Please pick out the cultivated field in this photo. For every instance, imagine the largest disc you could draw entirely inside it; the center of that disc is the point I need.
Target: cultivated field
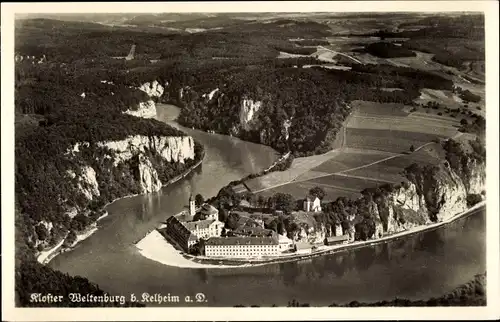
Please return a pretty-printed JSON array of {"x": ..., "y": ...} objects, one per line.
[
  {"x": 364, "y": 108},
  {"x": 299, "y": 190},
  {"x": 299, "y": 167},
  {"x": 375, "y": 150},
  {"x": 379, "y": 137},
  {"x": 345, "y": 182},
  {"x": 350, "y": 158},
  {"x": 390, "y": 170},
  {"x": 423, "y": 61},
  {"x": 409, "y": 126},
  {"x": 375, "y": 144},
  {"x": 386, "y": 140}
]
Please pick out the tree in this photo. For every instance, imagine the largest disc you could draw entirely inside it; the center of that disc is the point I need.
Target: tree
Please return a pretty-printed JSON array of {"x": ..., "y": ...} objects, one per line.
[
  {"x": 41, "y": 232},
  {"x": 198, "y": 200},
  {"x": 464, "y": 122},
  {"x": 273, "y": 225},
  {"x": 198, "y": 248},
  {"x": 223, "y": 214},
  {"x": 280, "y": 225},
  {"x": 270, "y": 202},
  {"x": 412, "y": 148},
  {"x": 317, "y": 192},
  {"x": 71, "y": 238},
  {"x": 473, "y": 199},
  {"x": 260, "y": 201},
  {"x": 232, "y": 221},
  {"x": 284, "y": 201}
]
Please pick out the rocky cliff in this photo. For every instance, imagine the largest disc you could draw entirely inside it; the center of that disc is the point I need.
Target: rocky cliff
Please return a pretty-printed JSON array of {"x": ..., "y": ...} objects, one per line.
[
  {"x": 172, "y": 149},
  {"x": 133, "y": 152},
  {"x": 154, "y": 88},
  {"x": 99, "y": 172},
  {"x": 247, "y": 112},
  {"x": 145, "y": 110},
  {"x": 95, "y": 173},
  {"x": 431, "y": 194},
  {"x": 243, "y": 118}
]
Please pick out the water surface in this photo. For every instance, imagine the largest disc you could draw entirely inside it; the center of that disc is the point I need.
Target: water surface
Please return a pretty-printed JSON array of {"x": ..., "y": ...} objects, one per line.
[{"x": 415, "y": 267}]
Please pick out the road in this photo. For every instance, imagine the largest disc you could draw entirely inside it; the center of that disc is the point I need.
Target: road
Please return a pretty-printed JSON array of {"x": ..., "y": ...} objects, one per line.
[
  {"x": 344, "y": 172},
  {"x": 339, "y": 53}
]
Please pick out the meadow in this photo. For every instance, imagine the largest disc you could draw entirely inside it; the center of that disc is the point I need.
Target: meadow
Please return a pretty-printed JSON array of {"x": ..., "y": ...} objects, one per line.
[
  {"x": 387, "y": 140},
  {"x": 349, "y": 159},
  {"x": 381, "y": 140},
  {"x": 299, "y": 190}
]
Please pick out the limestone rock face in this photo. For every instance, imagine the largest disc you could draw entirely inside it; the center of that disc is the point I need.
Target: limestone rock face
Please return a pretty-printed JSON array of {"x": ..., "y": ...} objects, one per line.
[
  {"x": 451, "y": 196},
  {"x": 171, "y": 148},
  {"x": 153, "y": 89},
  {"x": 314, "y": 235},
  {"x": 211, "y": 94},
  {"x": 286, "y": 126},
  {"x": 248, "y": 109},
  {"x": 408, "y": 198},
  {"x": 439, "y": 198},
  {"x": 148, "y": 177},
  {"x": 338, "y": 230},
  {"x": 351, "y": 232},
  {"x": 434, "y": 197},
  {"x": 477, "y": 182},
  {"x": 88, "y": 183},
  {"x": 145, "y": 110}
]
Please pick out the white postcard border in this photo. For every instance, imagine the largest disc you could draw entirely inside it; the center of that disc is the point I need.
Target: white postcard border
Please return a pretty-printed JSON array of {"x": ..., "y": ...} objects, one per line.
[{"x": 9, "y": 312}]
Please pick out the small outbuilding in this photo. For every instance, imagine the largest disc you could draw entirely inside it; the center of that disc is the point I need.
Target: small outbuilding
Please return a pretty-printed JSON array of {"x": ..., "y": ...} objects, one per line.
[{"x": 336, "y": 240}]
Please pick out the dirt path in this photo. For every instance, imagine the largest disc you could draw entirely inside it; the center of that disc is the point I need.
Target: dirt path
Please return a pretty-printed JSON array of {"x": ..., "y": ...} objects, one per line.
[
  {"x": 347, "y": 170},
  {"x": 343, "y": 172},
  {"x": 373, "y": 163},
  {"x": 365, "y": 165},
  {"x": 339, "y": 53},
  {"x": 333, "y": 186},
  {"x": 363, "y": 178}
]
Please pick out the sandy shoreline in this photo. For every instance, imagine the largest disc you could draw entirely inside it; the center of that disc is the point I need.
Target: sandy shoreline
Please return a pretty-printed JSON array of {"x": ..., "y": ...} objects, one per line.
[
  {"x": 46, "y": 256},
  {"x": 155, "y": 247}
]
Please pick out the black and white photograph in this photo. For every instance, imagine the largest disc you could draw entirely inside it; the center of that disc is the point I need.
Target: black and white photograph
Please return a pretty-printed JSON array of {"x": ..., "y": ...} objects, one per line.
[{"x": 250, "y": 158}]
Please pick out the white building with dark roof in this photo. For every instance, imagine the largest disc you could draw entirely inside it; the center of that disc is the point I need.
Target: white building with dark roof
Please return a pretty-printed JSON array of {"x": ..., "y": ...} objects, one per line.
[
  {"x": 209, "y": 212},
  {"x": 186, "y": 232},
  {"x": 285, "y": 243},
  {"x": 336, "y": 240},
  {"x": 312, "y": 204},
  {"x": 242, "y": 247},
  {"x": 178, "y": 232},
  {"x": 205, "y": 228}
]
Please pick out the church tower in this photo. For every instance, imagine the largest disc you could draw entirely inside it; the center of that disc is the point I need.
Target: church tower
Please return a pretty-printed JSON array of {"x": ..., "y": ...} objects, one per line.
[
  {"x": 307, "y": 203},
  {"x": 192, "y": 206}
]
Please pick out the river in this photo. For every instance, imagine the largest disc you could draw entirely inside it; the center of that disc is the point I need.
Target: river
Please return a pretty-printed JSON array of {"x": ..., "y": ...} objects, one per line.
[{"x": 415, "y": 267}]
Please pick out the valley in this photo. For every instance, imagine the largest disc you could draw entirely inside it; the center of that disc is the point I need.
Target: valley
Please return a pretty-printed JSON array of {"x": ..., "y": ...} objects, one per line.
[{"x": 254, "y": 113}]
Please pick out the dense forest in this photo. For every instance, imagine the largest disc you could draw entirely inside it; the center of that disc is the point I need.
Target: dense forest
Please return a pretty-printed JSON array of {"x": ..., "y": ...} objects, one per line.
[
  {"x": 452, "y": 40},
  {"x": 32, "y": 277},
  {"x": 342, "y": 210},
  {"x": 388, "y": 50},
  {"x": 81, "y": 88},
  {"x": 69, "y": 110},
  {"x": 78, "y": 93},
  {"x": 302, "y": 97},
  {"x": 70, "y": 41}
]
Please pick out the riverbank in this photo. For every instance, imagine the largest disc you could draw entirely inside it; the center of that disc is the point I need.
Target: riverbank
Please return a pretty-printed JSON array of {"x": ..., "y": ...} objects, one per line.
[
  {"x": 46, "y": 256},
  {"x": 155, "y": 247}
]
